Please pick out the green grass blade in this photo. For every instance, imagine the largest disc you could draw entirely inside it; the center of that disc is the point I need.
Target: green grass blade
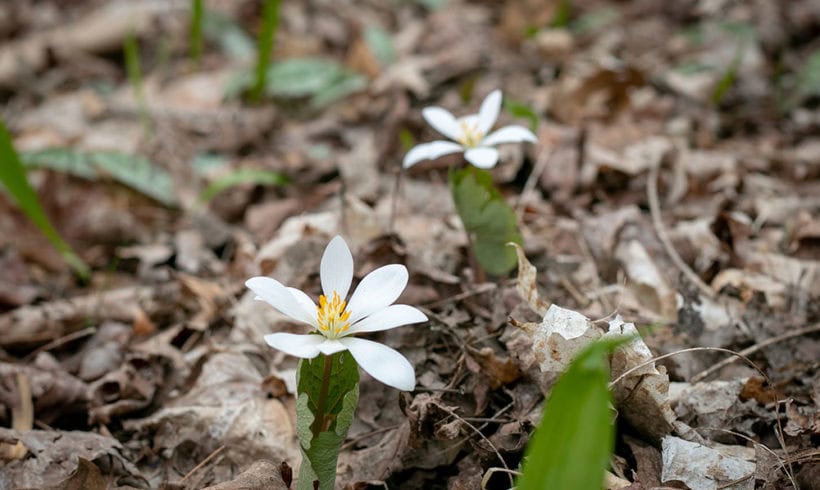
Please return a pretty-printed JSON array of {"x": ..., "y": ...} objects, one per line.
[
  {"x": 134, "y": 70},
  {"x": 195, "y": 35},
  {"x": 13, "y": 177},
  {"x": 572, "y": 446},
  {"x": 245, "y": 176},
  {"x": 270, "y": 22}
]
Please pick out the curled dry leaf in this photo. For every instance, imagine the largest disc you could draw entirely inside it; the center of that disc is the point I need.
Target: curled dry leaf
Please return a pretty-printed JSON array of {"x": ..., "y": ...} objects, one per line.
[
  {"x": 261, "y": 475},
  {"x": 560, "y": 336},
  {"x": 646, "y": 283},
  {"x": 526, "y": 284},
  {"x": 705, "y": 468},
  {"x": 642, "y": 397}
]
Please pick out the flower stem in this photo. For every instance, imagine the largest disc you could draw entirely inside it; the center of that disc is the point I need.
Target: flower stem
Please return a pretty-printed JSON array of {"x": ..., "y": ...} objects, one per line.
[{"x": 319, "y": 422}]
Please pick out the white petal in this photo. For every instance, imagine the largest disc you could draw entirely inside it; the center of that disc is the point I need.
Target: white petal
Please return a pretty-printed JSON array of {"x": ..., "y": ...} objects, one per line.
[
  {"x": 306, "y": 304},
  {"x": 330, "y": 347},
  {"x": 382, "y": 362},
  {"x": 390, "y": 317},
  {"x": 509, "y": 134},
  {"x": 482, "y": 157},
  {"x": 336, "y": 269},
  {"x": 442, "y": 121},
  {"x": 275, "y": 294},
  {"x": 304, "y": 346},
  {"x": 488, "y": 113},
  {"x": 377, "y": 291},
  {"x": 430, "y": 151}
]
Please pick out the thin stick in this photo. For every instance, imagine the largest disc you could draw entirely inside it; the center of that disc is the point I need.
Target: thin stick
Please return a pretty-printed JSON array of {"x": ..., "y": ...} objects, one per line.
[
  {"x": 657, "y": 223},
  {"x": 203, "y": 463},
  {"x": 492, "y": 446},
  {"x": 754, "y": 348},
  {"x": 60, "y": 341},
  {"x": 532, "y": 179},
  {"x": 493, "y": 470}
]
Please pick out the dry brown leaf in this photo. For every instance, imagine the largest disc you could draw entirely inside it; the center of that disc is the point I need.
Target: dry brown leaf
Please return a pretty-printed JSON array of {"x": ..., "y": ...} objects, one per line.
[{"x": 526, "y": 284}]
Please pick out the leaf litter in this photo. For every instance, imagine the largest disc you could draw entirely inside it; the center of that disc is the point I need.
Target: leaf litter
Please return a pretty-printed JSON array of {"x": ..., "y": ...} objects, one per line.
[{"x": 672, "y": 195}]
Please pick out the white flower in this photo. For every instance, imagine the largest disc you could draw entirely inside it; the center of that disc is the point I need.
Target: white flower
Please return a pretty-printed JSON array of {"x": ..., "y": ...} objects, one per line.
[
  {"x": 469, "y": 133},
  {"x": 370, "y": 309}
]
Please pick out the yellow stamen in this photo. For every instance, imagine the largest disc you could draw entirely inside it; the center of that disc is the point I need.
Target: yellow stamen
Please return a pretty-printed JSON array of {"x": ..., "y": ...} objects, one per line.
[
  {"x": 332, "y": 315},
  {"x": 470, "y": 135}
]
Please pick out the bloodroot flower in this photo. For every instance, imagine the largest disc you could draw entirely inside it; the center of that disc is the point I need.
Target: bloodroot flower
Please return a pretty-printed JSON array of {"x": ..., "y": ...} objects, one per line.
[
  {"x": 336, "y": 321},
  {"x": 469, "y": 134}
]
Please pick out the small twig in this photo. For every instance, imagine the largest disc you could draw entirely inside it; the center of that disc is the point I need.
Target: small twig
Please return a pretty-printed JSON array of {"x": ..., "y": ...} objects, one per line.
[
  {"x": 491, "y": 471},
  {"x": 349, "y": 444},
  {"x": 754, "y": 348},
  {"x": 61, "y": 341},
  {"x": 479, "y": 289},
  {"x": 684, "y": 351},
  {"x": 204, "y": 462},
  {"x": 660, "y": 229},
  {"x": 480, "y": 434}
]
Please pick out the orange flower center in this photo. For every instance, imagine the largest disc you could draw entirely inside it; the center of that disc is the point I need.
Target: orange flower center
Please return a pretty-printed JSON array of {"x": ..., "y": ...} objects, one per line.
[{"x": 333, "y": 316}]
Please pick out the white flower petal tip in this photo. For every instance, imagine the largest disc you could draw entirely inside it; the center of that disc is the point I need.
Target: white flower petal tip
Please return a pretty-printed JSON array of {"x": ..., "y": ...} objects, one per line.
[
  {"x": 382, "y": 362},
  {"x": 510, "y": 134},
  {"x": 482, "y": 157},
  {"x": 391, "y": 317},
  {"x": 304, "y": 346},
  {"x": 336, "y": 268},
  {"x": 442, "y": 121},
  {"x": 488, "y": 113},
  {"x": 430, "y": 151},
  {"x": 378, "y": 290},
  {"x": 275, "y": 294}
]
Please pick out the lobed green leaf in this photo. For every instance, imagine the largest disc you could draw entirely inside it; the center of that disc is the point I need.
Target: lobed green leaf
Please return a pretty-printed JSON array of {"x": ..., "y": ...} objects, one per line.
[
  {"x": 487, "y": 217},
  {"x": 320, "y": 451}
]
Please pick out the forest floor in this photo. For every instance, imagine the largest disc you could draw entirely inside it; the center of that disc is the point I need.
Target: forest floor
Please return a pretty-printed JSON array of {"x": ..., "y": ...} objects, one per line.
[{"x": 675, "y": 185}]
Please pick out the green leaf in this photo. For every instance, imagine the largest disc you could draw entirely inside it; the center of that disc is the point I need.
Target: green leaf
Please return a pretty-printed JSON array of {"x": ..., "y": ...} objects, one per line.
[
  {"x": 320, "y": 451},
  {"x": 487, "y": 217},
  {"x": 13, "y": 177},
  {"x": 381, "y": 44},
  {"x": 242, "y": 176},
  {"x": 232, "y": 39},
  {"x": 195, "y": 32},
  {"x": 136, "y": 172},
  {"x": 321, "y": 80},
  {"x": 519, "y": 109},
  {"x": 572, "y": 446},
  {"x": 267, "y": 36}
]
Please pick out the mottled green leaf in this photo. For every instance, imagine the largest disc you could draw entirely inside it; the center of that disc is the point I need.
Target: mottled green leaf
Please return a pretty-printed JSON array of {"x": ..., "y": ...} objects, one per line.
[
  {"x": 134, "y": 171},
  {"x": 487, "y": 217},
  {"x": 381, "y": 44},
  {"x": 572, "y": 445},
  {"x": 242, "y": 176},
  {"x": 13, "y": 177},
  {"x": 232, "y": 39},
  {"x": 320, "y": 452}
]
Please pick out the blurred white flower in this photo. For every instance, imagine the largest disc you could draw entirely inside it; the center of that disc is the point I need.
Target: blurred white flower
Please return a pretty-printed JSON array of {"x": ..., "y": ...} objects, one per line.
[
  {"x": 469, "y": 135},
  {"x": 334, "y": 320}
]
